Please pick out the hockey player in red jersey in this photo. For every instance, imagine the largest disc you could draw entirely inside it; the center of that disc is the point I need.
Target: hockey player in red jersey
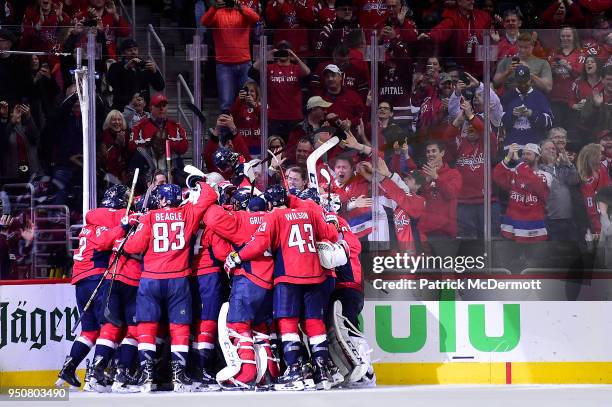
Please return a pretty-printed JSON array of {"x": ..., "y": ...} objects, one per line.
[
  {"x": 298, "y": 276},
  {"x": 90, "y": 263},
  {"x": 250, "y": 301},
  {"x": 162, "y": 237},
  {"x": 210, "y": 289}
]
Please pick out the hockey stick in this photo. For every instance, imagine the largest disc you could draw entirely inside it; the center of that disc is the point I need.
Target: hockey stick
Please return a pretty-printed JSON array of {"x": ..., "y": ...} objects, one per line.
[
  {"x": 168, "y": 162},
  {"x": 107, "y": 314},
  {"x": 199, "y": 114},
  {"x": 311, "y": 161},
  {"x": 280, "y": 169}
]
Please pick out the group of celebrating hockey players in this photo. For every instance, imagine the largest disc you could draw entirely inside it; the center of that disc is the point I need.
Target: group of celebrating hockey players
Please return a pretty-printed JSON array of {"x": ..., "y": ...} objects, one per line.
[{"x": 242, "y": 286}]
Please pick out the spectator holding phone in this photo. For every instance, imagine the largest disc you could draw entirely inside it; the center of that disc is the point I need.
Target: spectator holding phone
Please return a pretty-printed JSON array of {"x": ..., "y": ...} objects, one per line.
[
  {"x": 42, "y": 25},
  {"x": 541, "y": 75},
  {"x": 284, "y": 77},
  {"x": 246, "y": 112},
  {"x": 231, "y": 24},
  {"x": 104, "y": 15},
  {"x": 131, "y": 75},
  {"x": 527, "y": 113}
]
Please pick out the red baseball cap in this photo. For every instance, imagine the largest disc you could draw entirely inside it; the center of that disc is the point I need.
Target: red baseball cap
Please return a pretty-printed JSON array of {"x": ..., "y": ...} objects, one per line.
[
  {"x": 604, "y": 133},
  {"x": 158, "y": 98}
]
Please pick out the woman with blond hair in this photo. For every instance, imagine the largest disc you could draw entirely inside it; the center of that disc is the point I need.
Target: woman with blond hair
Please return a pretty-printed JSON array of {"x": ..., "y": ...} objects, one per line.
[
  {"x": 593, "y": 174},
  {"x": 112, "y": 153}
]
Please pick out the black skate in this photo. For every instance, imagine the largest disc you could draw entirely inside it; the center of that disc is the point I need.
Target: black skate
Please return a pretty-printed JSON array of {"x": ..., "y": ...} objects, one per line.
[
  {"x": 182, "y": 383},
  {"x": 291, "y": 380},
  {"x": 336, "y": 377},
  {"x": 308, "y": 377},
  {"x": 95, "y": 379},
  {"x": 68, "y": 374},
  {"x": 144, "y": 381},
  {"x": 124, "y": 382},
  {"x": 322, "y": 377},
  {"x": 206, "y": 382}
]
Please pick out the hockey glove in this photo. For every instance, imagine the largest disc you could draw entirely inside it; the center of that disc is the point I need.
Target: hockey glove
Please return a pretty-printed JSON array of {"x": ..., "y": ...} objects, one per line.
[{"x": 232, "y": 260}]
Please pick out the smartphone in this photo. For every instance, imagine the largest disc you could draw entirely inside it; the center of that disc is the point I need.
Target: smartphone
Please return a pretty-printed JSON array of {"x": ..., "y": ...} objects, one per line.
[
  {"x": 516, "y": 60},
  {"x": 281, "y": 53}
]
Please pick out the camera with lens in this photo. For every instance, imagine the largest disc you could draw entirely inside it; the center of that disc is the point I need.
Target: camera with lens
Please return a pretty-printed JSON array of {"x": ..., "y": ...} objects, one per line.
[
  {"x": 141, "y": 64},
  {"x": 230, "y": 3},
  {"x": 282, "y": 50},
  {"x": 90, "y": 22}
]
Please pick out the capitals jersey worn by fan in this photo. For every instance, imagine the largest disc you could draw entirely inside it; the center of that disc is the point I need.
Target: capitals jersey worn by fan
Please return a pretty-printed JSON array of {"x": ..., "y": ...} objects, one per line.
[
  {"x": 589, "y": 188},
  {"x": 528, "y": 191},
  {"x": 360, "y": 219},
  {"x": 408, "y": 209}
]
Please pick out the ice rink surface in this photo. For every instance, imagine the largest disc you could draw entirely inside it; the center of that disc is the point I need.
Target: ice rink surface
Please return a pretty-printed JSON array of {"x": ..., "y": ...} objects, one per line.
[{"x": 382, "y": 396}]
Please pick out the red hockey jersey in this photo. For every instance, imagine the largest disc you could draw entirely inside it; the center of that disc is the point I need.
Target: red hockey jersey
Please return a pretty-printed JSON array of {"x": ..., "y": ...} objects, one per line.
[
  {"x": 238, "y": 228},
  {"x": 164, "y": 234},
  {"x": 145, "y": 131},
  {"x": 350, "y": 275},
  {"x": 528, "y": 191},
  {"x": 409, "y": 208},
  {"x": 291, "y": 235},
  {"x": 589, "y": 188},
  {"x": 209, "y": 252},
  {"x": 440, "y": 216}
]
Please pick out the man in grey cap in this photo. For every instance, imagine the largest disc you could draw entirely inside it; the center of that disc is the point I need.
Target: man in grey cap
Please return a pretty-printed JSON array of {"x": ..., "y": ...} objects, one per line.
[
  {"x": 315, "y": 116},
  {"x": 133, "y": 75}
]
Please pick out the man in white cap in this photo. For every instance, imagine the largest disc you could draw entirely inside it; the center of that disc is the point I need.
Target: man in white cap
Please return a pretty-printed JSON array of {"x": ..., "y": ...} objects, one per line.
[
  {"x": 316, "y": 109},
  {"x": 346, "y": 103},
  {"x": 528, "y": 188}
]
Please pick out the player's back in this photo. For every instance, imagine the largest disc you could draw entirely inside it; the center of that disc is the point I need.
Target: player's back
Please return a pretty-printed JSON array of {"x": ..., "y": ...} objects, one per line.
[
  {"x": 88, "y": 258},
  {"x": 293, "y": 237},
  {"x": 167, "y": 255}
]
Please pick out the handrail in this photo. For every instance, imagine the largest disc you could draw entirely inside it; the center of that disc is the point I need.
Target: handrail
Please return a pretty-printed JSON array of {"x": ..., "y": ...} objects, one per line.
[
  {"x": 180, "y": 85},
  {"x": 130, "y": 16},
  {"x": 151, "y": 32}
]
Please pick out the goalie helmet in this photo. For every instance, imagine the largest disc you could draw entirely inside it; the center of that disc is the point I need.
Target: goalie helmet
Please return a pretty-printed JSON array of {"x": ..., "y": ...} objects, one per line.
[
  {"x": 116, "y": 197},
  {"x": 240, "y": 199},
  {"x": 331, "y": 202},
  {"x": 225, "y": 159},
  {"x": 276, "y": 195},
  {"x": 172, "y": 193},
  {"x": 310, "y": 193}
]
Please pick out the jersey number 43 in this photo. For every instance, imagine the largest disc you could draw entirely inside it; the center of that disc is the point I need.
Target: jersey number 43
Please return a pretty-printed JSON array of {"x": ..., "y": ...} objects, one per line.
[
  {"x": 162, "y": 241},
  {"x": 295, "y": 238}
]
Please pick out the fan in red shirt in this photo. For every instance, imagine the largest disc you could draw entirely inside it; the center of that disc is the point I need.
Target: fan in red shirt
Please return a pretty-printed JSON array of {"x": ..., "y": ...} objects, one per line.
[
  {"x": 372, "y": 13},
  {"x": 298, "y": 293},
  {"x": 41, "y": 26},
  {"x": 354, "y": 76},
  {"x": 587, "y": 84},
  {"x": 246, "y": 113},
  {"x": 346, "y": 103},
  {"x": 507, "y": 43},
  {"x": 441, "y": 190},
  {"x": 566, "y": 65},
  {"x": 397, "y": 30},
  {"x": 284, "y": 78},
  {"x": 594, "y": 175},
  {"x": 290, "y": 20},
  {"x": 461, "y": 30},
  {"x": 108, "y": 20}
]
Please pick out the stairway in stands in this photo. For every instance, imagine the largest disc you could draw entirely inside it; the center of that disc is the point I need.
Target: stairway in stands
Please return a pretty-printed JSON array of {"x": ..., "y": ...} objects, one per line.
[{"x": 175, "y": 40}]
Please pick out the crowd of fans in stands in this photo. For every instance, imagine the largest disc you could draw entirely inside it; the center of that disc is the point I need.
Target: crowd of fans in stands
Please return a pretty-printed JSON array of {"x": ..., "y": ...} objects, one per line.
[{"x": 549, "y": 113}]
